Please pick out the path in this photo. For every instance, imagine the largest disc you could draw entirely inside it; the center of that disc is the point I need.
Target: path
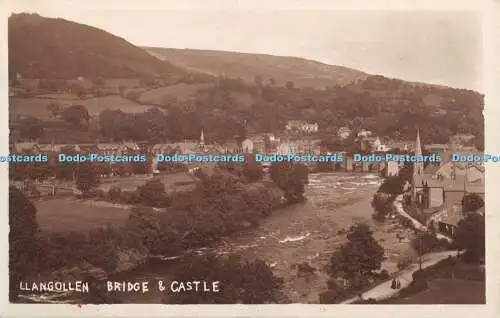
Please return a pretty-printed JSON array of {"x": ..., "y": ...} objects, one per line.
[
  {"x": 384, "y": 290},
  {"x": 398, "y": 205}
]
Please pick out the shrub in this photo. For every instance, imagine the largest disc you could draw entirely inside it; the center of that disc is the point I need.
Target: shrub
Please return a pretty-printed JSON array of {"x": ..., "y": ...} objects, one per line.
[
  {"x": 425, "y": 243},
  {"x": 404, "y": 263},
  {"x": 115, "y": 194}
]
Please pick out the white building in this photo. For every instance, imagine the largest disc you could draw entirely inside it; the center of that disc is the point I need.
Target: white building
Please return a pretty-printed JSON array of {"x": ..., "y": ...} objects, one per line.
[
  {"x": 285, "y": 148},
  {"x": 364, "y": 133},
  {"x": 344, "y": 132},
  {"x": 301, "y": 126},
  {"x": 247, "y": 146}
]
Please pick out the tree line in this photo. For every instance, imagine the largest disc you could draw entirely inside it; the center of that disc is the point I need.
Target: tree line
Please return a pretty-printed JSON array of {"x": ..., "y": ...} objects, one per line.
[{"x": 227, "y": 109}]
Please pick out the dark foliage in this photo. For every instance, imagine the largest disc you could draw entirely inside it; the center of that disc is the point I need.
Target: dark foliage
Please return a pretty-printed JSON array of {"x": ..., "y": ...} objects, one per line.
[
  {"x": 23, "y": 247},
  {"x": 245, "y": 282},
  {"x": 358, "y": 257},
  {"x": 87, "y": 177},
  {"x": 291, "y": 178},
  {"x": 153, "y": 194},
  {"x": 470, "y": 236},
  {"x": 392, "y": 185},
  {"x": 31, "y": 128},
  {"x": 76, "y": 115},
  {"x": 472, "y": 202},
  {"x": 426, "y": 242}
]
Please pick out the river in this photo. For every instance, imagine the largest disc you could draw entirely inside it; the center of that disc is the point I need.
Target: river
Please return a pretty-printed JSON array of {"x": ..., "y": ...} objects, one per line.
[{"x": 304, "y": 232}]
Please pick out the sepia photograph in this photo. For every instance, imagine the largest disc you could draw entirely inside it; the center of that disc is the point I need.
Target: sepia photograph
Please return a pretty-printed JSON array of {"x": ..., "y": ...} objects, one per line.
[{"x": 231, "y": 156}]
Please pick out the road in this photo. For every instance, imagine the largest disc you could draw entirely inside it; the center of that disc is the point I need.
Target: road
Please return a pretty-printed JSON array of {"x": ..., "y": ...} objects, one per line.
[{"x": 384, "y": 290}]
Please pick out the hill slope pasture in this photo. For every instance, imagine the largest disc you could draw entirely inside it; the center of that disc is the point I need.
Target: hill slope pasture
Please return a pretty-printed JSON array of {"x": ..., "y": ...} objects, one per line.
[{"x": 301, "y": 72}]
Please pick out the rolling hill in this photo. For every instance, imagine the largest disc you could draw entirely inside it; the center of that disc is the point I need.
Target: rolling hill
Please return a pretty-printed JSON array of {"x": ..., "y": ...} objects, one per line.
[
  {"x": 42, "y": 47},
  {"x": 301, "y": 72}
]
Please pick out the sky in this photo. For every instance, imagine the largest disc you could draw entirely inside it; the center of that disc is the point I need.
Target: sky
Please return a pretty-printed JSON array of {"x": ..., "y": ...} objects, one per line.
[{"x": 433, "y": 46}]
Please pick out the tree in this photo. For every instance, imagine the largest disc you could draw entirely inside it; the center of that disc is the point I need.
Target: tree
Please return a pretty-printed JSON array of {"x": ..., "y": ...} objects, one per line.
[
  {"x": 291, "y": 178},
  {"x": 99, "y": 82},
  {"x": 472, "y": 202},
  {"x": 54, "y": 108},
  {"x": 153, "y": 193},
  {"x": 23, "y": 247},
  {"x": 240, "y": 282},
  {"x": 358, "y": 257},
  {"x": 76, "y": 114},
  {"x": 470, "y": 236},
  {"x": 87, "y": 178},
  {"x": 393, "y": 185},
  {"x": 290, "y": 85},
  {"x": 31, "y": 128},
  {"x": 78, "y": 89},
  {"x": 382, "y": 204}
]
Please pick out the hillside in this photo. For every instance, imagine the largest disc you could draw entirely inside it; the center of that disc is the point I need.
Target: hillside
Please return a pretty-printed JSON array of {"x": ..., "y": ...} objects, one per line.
[
  {"x": 247, "y": 66},
  {"x": 56, "y": 48}
]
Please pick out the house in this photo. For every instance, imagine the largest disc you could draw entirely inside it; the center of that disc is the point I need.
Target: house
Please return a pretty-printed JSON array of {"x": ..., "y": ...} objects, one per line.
[
  {"x": 447, "y": 219},
  {"x": 20, "y": 147},
  {"x": 231, "y": 147},
  {"x": 401, "y": 145},
  {"x": 376, "y": 144},
  {"x": 364, "y": 133},
  {"x": 286, "y": 147},
  {"x": 445, "y": 185},
  {"x": 87, "y": 148},
  {"x": 259, "y": 144},
  {"x": 462, "y": 138},
  {"x": 301, "y": 126},
  {"x": 308, "y": 146},
  {"x": 439, "y": 149},
  {"x": 247, "y": 146},
  {"x": 344, "y": 132},
  {"x": 392, "y": 168},
  {"x": 108, "y": 149},
  {"x": 164, "y": 149}
]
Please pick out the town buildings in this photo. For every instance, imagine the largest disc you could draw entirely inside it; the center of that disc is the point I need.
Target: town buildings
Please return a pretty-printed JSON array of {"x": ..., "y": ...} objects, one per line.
[{"x": 438, "y": 190}]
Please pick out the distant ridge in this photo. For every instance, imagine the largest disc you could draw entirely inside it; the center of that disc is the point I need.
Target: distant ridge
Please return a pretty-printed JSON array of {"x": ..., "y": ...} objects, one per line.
[{"x": 302, "y": 72}]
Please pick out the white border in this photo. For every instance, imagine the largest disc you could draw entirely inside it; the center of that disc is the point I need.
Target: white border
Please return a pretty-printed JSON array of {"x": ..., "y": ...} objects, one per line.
[{"x": 492, "y": 114}]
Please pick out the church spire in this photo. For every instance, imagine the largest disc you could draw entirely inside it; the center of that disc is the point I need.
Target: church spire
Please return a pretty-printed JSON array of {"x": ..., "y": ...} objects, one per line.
[
  {"x": 202, "y": 138},
  {"x": 418, "y": 168}
]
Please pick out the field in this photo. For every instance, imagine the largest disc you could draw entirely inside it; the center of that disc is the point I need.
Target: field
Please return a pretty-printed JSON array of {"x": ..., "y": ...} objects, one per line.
[
  {"x": 449, "y": 291},
  {"x": 36, "y": 107},
  {"x": 172, "y": 182},
  {"x": 68, "y": 214},
  {"x": 180, "y": 91}
]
